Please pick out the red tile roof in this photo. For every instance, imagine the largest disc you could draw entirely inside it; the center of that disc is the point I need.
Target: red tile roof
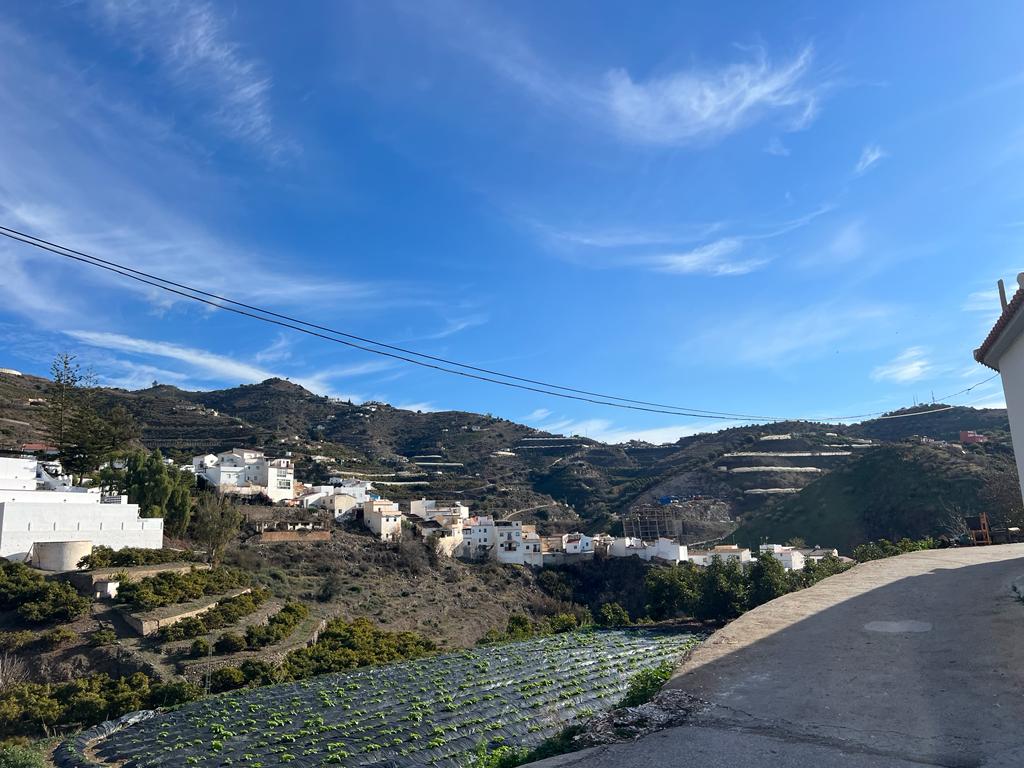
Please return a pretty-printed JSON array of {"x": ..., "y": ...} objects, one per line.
[{"x": 997, "y": 330}]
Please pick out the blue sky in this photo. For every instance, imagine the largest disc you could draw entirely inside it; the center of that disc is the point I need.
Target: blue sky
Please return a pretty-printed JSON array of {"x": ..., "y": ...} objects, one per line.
[{"x": 791, "y": 209}]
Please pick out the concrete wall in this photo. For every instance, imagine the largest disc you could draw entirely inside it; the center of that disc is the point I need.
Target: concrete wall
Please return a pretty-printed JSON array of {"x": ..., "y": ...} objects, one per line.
[
  {"x": 17, "y": 474},
  {"x": 270, "y": 537},
  {"x": 148, "y": 623},
  {"x": 59, "y": 517},
  {"x": 59, "y": 555}
]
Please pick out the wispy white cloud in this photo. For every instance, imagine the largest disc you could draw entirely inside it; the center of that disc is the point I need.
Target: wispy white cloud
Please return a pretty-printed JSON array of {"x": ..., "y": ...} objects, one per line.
[
  {"x": 683, "y": 107},
  {"x": 784, "y": 338},
  {"x": 716, "y": 258},
  {"x": 87, "y": 185},
  {"x": 204, "y": 364},
  {"x": 607, "y": 431},
  {"x": 424, "y": 407},
  {"x": 537, "y": 415},
  {"x": 204, "y": 367},
  {"x": 279, "y": 349},
  {"x": 910, "y": 365},
  {"x": 699, "y": 105},
  {"x": 982, "y": 301},
  {"x": 777, "y": 148},
  {"x": 869, "y": 156},
  {"x": 193, "y": 50},
  {"x": 453, "y": 327}
]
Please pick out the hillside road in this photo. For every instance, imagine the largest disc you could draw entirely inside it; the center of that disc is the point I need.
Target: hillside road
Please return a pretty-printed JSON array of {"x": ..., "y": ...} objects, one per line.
[{"x": 912, "y": 660}]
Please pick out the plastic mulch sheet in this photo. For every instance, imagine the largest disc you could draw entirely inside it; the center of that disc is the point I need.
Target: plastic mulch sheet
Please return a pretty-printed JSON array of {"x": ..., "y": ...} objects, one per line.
[{"x": 435, "y": 711}]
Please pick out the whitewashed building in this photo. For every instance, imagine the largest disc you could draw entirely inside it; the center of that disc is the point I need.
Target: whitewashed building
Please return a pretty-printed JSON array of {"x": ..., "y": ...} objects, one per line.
[
  {"x": 1003, "y": 351},
  {"x": 29, "y": 516},
  {"x": 792, "y": 559},
  {"x": 383, "y": 518},
  {"x": 725, "y": 552},
  {"x": 478, "y": 536},
  {"x": 248, "y": 472},
  {"x": 662, "y": 549}
]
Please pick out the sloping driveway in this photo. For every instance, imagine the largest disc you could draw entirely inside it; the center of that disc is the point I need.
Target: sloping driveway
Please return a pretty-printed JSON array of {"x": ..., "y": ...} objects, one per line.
[{"x": 917, "y": 659}]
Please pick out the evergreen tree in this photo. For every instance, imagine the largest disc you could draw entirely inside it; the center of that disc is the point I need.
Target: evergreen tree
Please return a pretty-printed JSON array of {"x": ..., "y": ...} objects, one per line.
[
  {"x": 768, "y": 580},
  {"x": 215, "y": 522},
  {"x": 159, "y": 490},
  {"x": 723, "y": 591}
]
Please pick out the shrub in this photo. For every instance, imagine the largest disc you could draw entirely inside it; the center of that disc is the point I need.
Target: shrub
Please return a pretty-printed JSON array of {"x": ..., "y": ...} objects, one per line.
[
  {"x": 18, "y": 756},
  {"x": 645, "y": 684},
  {"x": 280, "y": 625},
  {"x": 169, "y": 587},
  {"x": 200, "y": 647},
  {"x": 230, "y": 642},
  {"x": 54, "y": 638},
  {"x": 15, "y": 641},
  {"x": 346, "y": 645},
  {"x": 613, "y": 615},
  {"x": 105, "y": 557},
  {"x": 103, "y": 636},
  {"x": 226, "y": 679}
]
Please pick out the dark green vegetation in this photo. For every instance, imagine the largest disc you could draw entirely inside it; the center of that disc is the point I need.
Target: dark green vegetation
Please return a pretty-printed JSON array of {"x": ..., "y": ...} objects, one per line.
[
  {"x": 225, "y": 613},
  {"x": 646, "y": 684},
  {"x": 32, "y": 708},
  {"x": 877, "y": 550},
  {"x": 168, "y": 587},
  {"x": 105, "y": 557},
  {"x": 435, "y": 710},
  {"x": 38, "y": 601},
  {"x": 892, "y": 492}
]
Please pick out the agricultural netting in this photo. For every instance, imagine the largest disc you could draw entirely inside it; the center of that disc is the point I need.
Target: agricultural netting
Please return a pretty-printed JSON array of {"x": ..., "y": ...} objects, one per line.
[{"x": 433, "y": 711}]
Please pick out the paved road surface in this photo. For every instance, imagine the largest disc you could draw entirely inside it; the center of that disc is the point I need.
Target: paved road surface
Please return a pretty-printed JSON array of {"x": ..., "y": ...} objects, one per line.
[{"x": 912, "y": 660}]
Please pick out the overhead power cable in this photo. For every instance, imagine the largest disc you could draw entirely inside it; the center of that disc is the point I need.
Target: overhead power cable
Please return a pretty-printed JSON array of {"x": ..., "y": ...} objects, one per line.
[
  {"x": 408, "y": 355},
  {"x": 97, "y": 261}
]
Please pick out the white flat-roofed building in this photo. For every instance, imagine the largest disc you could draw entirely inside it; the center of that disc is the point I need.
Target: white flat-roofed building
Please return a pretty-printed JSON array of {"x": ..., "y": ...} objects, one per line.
[
  {"x": 792, "y": 559},
  {"x": 383, "y": 518},
  {"x": 661, "y": 549},
  {"x": 29, "y": 516},
  {"x": 248, "y": 472},
  {"x": 725, "y": 552}
]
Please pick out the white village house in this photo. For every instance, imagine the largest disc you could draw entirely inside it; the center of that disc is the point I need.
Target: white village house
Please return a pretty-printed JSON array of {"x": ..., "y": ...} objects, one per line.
[
  {"x": 56, "y": 527},
  {"x": 247, "y": 472},
  {"x": 383, "y": 518},
  {"x": 792, "y": 559},
  {"x": 1003, "y": 351}
]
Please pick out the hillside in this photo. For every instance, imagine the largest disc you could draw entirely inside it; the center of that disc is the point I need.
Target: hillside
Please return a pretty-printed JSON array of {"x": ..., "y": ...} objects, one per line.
[
  {"x": 754, "y": 473},
  {"x": 890, "y": 491}
]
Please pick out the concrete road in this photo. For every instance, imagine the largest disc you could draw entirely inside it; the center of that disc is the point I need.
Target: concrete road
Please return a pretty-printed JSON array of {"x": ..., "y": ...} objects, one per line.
[{"x": 917, "y": 659}]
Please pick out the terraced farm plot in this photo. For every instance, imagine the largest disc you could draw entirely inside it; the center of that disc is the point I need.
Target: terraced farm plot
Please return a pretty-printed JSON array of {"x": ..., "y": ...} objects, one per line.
[{"x": 433, "y": 711}]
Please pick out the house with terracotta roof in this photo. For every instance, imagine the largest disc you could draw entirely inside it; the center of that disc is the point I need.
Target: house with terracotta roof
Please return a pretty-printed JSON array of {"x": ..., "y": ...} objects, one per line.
[{"x": 1003, "y": 351}]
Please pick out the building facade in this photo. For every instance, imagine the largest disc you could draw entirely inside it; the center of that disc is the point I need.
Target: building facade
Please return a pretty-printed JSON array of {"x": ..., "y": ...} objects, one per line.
[{"x": 29, "y": 516}]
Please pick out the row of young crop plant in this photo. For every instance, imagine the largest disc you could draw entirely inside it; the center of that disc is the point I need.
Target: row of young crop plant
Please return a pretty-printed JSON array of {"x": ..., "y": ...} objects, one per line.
[{"x": 432, "y": 711}]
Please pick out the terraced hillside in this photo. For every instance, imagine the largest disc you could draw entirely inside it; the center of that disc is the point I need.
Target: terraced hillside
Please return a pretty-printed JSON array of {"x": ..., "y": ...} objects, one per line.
[
  {"x": 560, "y": 482},
  {"x": 433, "y": 711}
]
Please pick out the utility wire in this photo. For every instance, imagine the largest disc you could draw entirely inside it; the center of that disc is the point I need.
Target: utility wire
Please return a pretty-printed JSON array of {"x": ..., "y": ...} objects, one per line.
[
  {"x": 48, "y": 245},
  {"x": 153, "y": 282},
  {"x": 312, "y": 329}
]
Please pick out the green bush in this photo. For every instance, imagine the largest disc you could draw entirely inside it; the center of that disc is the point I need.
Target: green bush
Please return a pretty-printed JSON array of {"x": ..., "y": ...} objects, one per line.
[
  {"x": 105, "y": 557},
  {"x": 346, "y": 645},
  {"x": 280, "y": 625},
  {"x": 31, "y": 709},
  {"x": 56, "y": 637},
  {"x": 36, "y": 599},
  {"x": 230, "y": 642},
  {"x": 643, "y": 686},
  {"x": 226, "y": 679},
  {"x": 613, "y": 615},
  {"x": 103, "y": 636},
  {"x": 200, "y": 647},
  {"x": 18, "y": 756},
  {"x": 170, "y": 587}
]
